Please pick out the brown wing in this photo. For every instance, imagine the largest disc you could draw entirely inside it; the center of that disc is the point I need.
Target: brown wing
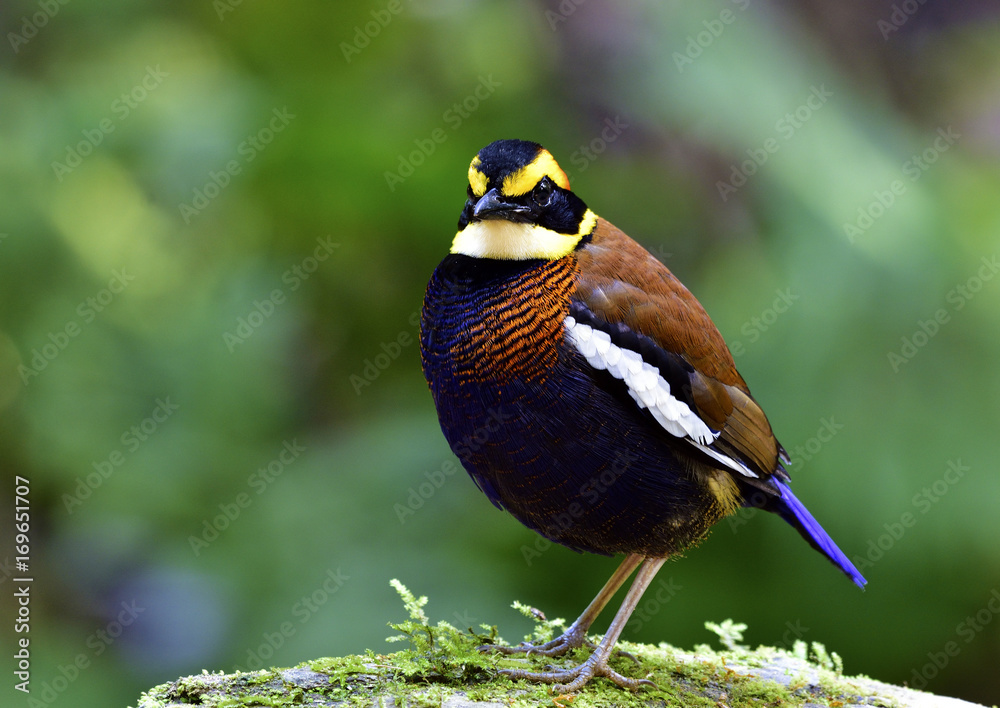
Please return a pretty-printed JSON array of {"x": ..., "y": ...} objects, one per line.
[{"x": 621, "y": 282}]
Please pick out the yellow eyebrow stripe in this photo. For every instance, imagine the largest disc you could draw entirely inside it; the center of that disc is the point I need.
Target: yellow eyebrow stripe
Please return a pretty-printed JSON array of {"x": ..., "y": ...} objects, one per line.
[
  {"x": 477, "y": 180},
  {"x": 525, "y": 179}
]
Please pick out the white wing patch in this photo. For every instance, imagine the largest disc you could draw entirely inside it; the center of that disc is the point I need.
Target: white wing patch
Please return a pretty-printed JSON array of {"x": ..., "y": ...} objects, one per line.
[{"x": 647, "y": 388}]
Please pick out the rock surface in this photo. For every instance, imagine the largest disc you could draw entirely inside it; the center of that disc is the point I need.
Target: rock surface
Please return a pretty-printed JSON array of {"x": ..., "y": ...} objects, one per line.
[{"x": 705, "y": 677}]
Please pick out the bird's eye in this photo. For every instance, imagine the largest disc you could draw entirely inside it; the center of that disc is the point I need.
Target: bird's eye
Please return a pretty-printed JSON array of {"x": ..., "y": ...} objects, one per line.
[{"x": 542, "y": 193}]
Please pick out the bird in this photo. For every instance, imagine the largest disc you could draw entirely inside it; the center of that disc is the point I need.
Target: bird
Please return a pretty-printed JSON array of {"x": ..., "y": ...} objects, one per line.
[{"x": 587, "y": 392}]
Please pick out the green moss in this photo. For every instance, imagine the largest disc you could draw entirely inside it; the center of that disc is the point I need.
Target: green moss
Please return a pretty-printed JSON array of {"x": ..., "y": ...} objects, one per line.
[{"x": 439, "y": 660}]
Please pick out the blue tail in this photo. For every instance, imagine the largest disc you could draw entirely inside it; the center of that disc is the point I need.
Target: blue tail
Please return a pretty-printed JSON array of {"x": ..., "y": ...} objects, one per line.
[{"x": 792, "y": 511}]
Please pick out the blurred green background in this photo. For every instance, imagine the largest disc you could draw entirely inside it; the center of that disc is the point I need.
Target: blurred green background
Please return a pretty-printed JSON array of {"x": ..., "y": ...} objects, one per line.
[{"x": 217, "y": 220}]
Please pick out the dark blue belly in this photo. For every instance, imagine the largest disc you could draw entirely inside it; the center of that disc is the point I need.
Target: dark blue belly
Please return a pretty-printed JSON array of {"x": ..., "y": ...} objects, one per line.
[{"x": 559, "y": 445}]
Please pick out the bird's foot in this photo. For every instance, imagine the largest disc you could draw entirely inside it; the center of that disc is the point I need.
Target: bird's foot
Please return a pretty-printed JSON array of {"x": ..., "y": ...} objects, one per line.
[
  {"x": 570, "y": 639},
  {"x": 572, "y": 680}
]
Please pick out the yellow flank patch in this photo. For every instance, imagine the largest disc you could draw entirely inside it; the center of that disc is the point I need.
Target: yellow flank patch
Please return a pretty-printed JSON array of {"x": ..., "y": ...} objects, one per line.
[
  {"x": 509, "y": 241},
  {"x": 477, "y": 180},
  {"x": 725, "y": 491},
  {"x": 524, "y": 180}
]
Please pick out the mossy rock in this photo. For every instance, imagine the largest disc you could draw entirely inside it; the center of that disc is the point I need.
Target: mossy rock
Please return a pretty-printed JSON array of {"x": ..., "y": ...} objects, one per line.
[
  {"x": 444, "y": 667},
  {"x": 765, "y": 677}
]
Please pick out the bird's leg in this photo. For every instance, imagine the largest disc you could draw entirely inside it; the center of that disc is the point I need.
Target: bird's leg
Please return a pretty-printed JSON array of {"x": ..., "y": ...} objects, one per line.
[
  {"x": 572, "y": 680},
  {"x": 576, "y": 635}
]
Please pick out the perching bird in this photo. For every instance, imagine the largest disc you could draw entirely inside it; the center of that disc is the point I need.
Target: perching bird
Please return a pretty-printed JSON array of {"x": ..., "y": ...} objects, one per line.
[{"x": 587, "y": 392}]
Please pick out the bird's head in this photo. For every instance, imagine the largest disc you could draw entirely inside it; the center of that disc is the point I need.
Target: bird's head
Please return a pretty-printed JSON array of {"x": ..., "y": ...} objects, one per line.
[{"x": 520, "y": 206}]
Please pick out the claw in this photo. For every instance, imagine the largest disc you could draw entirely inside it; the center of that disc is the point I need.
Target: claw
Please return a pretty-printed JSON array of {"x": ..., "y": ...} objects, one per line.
[{"x": 628, "y": 655}]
